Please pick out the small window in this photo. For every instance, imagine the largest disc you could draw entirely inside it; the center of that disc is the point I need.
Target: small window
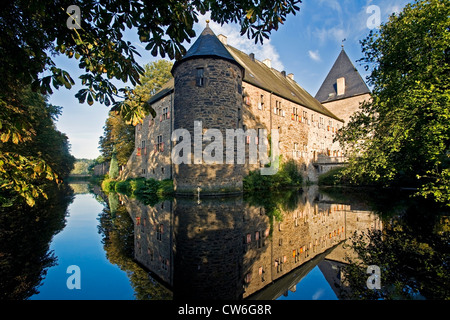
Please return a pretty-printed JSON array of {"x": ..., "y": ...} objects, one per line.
[
  {"x": 159, "y": 144},
  {"x": 261, "y": 104},
  {"x": 165, "y": 113},
  {"x": 159, "y": 231},
  {"x": 200, "y": 79},
  {"x": 294, "y": 114}
]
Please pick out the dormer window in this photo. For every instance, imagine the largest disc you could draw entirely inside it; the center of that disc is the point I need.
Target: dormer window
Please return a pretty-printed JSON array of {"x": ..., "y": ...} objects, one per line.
[
  {"x": 200, "y": 78},
  {"x": 340, "y": 84}
]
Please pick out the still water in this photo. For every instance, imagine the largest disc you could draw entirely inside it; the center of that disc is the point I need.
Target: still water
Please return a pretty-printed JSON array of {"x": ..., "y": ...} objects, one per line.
[{"x": 295, "y": 245}]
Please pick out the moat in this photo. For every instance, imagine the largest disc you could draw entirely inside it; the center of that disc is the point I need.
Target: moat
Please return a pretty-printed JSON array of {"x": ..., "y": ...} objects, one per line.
[{"x": 295, "y": 245}]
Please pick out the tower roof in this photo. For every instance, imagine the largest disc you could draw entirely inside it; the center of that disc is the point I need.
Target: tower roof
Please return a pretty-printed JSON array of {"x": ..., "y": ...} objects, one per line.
[
  {"x": 207, "y": 45},
  {"x": 353, "y": 84}
]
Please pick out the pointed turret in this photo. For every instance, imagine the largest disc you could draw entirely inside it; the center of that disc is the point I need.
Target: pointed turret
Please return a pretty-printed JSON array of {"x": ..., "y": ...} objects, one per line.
[
  {"x": 207, "y": 45},
  {"x": 343, "y": 81}
]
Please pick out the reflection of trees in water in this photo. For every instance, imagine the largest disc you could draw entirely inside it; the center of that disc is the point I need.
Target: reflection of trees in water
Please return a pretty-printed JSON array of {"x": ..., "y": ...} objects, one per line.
[
  {"x": 25, "y": 236},
  {"x": 117, "y": 230},
  {"x": 80, "y": 188},
  {"x": 412, "y": 252}
]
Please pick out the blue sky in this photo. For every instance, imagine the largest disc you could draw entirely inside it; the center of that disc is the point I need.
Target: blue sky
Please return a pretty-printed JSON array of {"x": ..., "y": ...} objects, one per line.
[{"x": 306, "y": 45}]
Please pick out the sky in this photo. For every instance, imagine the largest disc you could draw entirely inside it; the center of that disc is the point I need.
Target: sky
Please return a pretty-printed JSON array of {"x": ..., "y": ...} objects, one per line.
[{"x": 306, "y": 45}]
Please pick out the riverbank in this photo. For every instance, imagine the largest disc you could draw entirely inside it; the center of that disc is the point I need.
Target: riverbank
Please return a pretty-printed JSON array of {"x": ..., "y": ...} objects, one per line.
[{"x": 287, "y": 177}]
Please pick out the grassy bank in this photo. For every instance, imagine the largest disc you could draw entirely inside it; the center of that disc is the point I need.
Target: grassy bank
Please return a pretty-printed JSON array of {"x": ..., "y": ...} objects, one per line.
[{"x": 144, "y": 189}]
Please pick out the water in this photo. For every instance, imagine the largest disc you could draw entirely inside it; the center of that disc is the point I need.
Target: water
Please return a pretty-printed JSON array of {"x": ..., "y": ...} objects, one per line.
[
  {"x": 285, "y": 246},
  {"x": 80, "y": 244}
]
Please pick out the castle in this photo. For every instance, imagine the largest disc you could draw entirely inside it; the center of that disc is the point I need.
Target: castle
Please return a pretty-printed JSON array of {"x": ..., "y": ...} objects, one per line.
[{"x": 224, "y": 88}]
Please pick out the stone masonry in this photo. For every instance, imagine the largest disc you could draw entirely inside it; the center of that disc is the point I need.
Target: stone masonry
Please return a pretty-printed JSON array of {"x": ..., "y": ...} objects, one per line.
[{"x": 225, "y": 88}]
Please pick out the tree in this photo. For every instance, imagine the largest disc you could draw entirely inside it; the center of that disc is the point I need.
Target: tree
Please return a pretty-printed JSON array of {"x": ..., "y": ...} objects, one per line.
[
  {"x": 35, "y": 31},
  {"x": 40, "y": 154},
  {"x": 402, "y": 136},
  {"x": 81, "y": 166},
  {"x": 119, "y": 130},
  {"x": 155, "y": 75},
  {"x": 117, "y": 134},
  {"x": 113, "y": 166}
]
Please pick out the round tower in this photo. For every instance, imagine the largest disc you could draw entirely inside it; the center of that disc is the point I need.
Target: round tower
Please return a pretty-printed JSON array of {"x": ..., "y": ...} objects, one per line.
[{"x": 208, "y": 95}]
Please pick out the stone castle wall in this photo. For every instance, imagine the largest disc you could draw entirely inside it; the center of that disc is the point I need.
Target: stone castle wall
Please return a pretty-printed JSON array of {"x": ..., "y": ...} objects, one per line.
[
  {"x": 151, "y": 159},
  {"x": 226, "y": 102},
  {"x": 345, "y": 108},
  {"x": 216, "y": 104},
  {"x": 304, "y": 134}
]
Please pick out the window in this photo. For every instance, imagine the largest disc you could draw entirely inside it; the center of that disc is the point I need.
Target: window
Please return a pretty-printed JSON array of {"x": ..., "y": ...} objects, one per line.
[
  {"x": 261, "y": 104},
  {"x": 200, "y": 78},
  {"x": 159, "y": 231},
  {"x": 294, "y": 114},
  {"x": 305, "y": 117},
  {"x": 159, "y": 144},
  {"x": 165, "y": 113}
]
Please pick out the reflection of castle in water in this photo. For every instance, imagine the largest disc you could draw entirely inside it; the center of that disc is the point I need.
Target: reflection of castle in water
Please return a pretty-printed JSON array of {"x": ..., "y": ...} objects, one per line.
[{"x": 228, "y": 249}]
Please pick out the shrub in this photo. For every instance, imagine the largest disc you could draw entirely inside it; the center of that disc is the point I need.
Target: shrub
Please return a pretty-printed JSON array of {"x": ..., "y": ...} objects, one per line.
[
  {"x": 332, "y": 177},
  {"x": 165, "y": 188},
  {"x": 123, "y": 187},
  {"x": 108, "y": 185},
  {"x": 288, "y": 175}
]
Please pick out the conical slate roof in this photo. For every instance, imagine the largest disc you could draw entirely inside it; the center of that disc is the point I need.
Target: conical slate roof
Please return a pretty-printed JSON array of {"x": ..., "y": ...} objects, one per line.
[
  {"x": 342, "y": 68},
  {"x": 207, "y": 45}
]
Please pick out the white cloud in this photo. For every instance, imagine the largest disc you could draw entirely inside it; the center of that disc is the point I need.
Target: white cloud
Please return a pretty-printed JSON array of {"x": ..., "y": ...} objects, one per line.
[
  {"x": 314, "y": 55},
  {"x": 318, "y": 294},
  {"x": 234, "y": 39},
  {"x": 335, "y": 34}
]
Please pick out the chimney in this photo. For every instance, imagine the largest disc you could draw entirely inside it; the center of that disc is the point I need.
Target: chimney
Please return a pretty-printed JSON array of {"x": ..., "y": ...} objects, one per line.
[
  {"x": 267, "y": 62},
  {"x": 340, "y": 83},
  {"x": 291, "y": 76},
  {"x": 222, "y": 39},
  {"x": 252, "y": 56},
  {"x": 283, "y": 73}
]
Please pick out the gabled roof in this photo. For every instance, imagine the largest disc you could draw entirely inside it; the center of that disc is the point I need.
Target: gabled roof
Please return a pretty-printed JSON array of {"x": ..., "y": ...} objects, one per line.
[
  {"x": 260, "y": 75},
  {"x": 342, "y": 68},
  {"x": 206, "y": 45}
]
